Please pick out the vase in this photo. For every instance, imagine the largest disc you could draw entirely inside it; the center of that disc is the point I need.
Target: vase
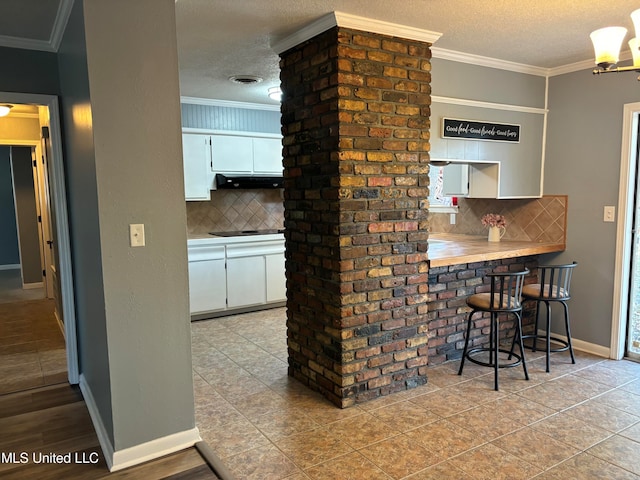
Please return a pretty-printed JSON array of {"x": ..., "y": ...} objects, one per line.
[{"x": 496, "y": 233}]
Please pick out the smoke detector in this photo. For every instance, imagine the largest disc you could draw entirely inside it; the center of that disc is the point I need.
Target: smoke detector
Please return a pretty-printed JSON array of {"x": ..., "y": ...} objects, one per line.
[{"x": 245, "y": 79}]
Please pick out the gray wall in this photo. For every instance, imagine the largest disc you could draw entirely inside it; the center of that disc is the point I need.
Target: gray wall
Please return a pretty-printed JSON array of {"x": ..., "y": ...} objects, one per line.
[
  {"x": 462, "y": 80},
  {"x": 9, "y": 253},
  {"x": 28, "y": 71},
  {"x": 135, "y": 114},
  {"x": 583, "y": 160},
  {"x": 519, "y": 162},
  {"x": 84, "y": 221},
  {"x": 27, "y": 215},
  {"x": 122, "y": 154}
]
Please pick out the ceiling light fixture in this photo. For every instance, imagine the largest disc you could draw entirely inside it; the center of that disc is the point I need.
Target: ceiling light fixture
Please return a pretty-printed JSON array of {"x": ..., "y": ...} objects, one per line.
[
  {"x": 275, "y": 93},
  {"x": 5, "y": 109},
  {"x": 606, "y": 45}
]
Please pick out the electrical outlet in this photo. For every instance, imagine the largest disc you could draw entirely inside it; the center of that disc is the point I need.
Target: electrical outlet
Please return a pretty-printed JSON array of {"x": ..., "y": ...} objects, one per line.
[
  {"x": 136, "y": 234},
  {"x": 609, "y": 214},
  {"x": 452, "y": 219}
]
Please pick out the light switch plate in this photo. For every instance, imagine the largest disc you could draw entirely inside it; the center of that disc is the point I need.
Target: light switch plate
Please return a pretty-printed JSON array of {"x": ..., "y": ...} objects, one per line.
[
  {"x": 609, "y": 214},
  {"x": 136, "y": 234}
]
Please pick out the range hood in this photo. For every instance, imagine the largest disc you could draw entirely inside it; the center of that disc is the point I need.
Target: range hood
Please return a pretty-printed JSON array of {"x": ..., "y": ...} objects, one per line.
[{"x": 248, "y": 181}]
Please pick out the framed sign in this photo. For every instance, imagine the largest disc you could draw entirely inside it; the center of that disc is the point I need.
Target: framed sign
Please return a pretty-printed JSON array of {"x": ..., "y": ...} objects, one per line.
[{"x": 477, "y": 130}]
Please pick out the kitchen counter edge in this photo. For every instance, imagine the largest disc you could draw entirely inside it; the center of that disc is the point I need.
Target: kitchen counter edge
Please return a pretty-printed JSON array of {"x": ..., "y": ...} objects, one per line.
[
  {"x": 460, "y": 249},
  {"x": 206, "y": 239}
]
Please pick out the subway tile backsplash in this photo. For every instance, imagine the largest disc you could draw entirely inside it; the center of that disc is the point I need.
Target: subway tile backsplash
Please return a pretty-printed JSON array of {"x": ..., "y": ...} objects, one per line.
[{"x": 236, "y": 210}]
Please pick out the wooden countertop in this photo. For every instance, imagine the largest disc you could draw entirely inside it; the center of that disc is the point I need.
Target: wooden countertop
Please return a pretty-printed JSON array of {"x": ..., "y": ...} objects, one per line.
[{"x": 448, "y": 249}]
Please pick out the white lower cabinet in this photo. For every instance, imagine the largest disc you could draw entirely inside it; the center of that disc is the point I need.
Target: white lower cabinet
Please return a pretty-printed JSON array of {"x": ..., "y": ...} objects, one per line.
[
  {"x": 254, "y": 275},
  {"x": 246, "y": 278},
  {"x": 207, "y": 278},
  {"x": 276, "y": 279}
]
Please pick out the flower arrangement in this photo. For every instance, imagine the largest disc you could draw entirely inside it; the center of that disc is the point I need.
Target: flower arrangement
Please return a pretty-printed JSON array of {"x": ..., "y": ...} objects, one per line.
[{"x": 494, "y": 220}]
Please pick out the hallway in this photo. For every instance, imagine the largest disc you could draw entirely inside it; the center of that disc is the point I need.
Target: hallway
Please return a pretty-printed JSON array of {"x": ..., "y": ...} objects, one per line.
[{"x": 32, "y": 347}]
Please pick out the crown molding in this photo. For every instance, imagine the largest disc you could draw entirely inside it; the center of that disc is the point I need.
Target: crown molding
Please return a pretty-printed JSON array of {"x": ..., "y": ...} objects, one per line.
[
  {"x": 340, "y": 19},
  {"x": 60, "y": 24},
  {"x": 491, "y": 105},
  {"x": 583, "y": 65},
  {"x": 26, "y": 43},
  {"x": 229, "y": 104},
  {"x": 57, "y": 31},
  {"x": 462, "y": 57}
]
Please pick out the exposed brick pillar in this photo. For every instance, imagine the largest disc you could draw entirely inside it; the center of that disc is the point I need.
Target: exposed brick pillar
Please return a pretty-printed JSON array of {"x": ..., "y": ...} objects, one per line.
[{"x": 355, "y": 119}]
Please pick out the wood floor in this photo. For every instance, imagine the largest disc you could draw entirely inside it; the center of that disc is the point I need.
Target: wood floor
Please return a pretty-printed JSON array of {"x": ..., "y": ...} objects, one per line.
[
  {"x": 32, "y": 347},
  {"x": 54, "y": 419}
]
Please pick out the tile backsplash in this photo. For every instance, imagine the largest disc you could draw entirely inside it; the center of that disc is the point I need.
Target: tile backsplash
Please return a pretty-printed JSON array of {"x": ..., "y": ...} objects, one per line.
[
  {"x": 236, "y": 210},
  {"x": 537, "y": 220}
]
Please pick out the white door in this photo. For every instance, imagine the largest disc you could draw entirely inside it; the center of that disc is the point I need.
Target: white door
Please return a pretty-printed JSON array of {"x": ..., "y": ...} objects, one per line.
[{"x": 633, "y": 326}]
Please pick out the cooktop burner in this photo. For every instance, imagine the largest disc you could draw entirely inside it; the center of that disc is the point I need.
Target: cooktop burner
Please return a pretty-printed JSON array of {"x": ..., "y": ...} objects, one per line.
[{"x": 244, "y": 233}]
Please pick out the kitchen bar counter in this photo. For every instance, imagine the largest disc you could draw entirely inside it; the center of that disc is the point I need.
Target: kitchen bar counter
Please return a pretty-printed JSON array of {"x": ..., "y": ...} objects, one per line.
[{"x": 449, "y": 249}]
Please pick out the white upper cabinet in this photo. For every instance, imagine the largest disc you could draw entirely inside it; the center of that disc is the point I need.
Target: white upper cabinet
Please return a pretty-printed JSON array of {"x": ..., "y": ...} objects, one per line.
[
  {"x": 237, "y": 153},
  {"x": 231, "y": 153},
  {"x": 196, "y": 156},
  {"x": 267, "y": 155},
  {"x": 246, "y": 154}
]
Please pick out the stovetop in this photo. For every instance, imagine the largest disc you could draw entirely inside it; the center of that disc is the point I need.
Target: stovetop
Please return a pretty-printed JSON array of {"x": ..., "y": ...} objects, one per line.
[{"x": 244, "y": 233}]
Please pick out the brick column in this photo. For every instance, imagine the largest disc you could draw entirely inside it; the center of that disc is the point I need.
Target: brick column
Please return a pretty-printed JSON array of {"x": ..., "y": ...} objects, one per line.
[{"x": 355, "y": 120}]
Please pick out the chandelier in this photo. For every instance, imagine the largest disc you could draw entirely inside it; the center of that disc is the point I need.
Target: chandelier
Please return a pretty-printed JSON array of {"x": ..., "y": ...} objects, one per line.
[{"x": 607, "y": 42}]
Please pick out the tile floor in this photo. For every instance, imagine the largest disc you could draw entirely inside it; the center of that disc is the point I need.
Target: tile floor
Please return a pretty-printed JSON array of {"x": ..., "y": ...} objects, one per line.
[
  {"x": 32, "y": 347},
  {"x": 578, "y": 422},
  {"x": 11, "y": 288}
]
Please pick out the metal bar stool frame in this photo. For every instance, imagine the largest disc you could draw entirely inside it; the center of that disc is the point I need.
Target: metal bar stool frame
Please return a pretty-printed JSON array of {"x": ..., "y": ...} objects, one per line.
[
  {"x": 504, "y": 297},
  {"x": 554, "y": 286}
]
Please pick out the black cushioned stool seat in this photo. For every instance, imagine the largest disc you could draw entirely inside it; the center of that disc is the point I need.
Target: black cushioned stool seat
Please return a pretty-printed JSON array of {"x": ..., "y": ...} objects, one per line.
[
  {"x": 504, "y": 298},
  {"x": 554, "y": 286}
]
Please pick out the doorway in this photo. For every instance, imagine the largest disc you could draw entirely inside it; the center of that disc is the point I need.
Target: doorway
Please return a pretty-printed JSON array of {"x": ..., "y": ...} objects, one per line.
[
  {"x": 633, "y": 323},
  {"x": 53, "y": 212},
  {"x": 625, "y": 334}
]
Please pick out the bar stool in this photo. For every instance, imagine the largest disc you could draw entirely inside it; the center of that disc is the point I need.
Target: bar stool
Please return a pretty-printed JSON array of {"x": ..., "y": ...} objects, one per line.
[
  {"x": 554, "y": 286},
  {"x": 504, "y": 297}
]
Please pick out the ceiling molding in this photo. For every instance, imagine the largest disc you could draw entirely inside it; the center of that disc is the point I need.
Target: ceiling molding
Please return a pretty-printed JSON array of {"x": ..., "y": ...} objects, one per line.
[
  {"x": 25, "y": 43},
  {"x": 22, "y": 115},
  {"x": 229, "y": 104},
  {"x": 57, "y": 31},
  {"x": 487, "y": 62},
  {"x": 340, "y": 19},
  {"x": 583, "y": 65},
  {"x": 491, "y": 105},
  {"x": 60, "y": 24}
]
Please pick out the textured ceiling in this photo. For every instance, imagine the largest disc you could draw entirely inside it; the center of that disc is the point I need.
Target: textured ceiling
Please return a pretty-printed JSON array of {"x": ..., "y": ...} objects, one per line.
[{"x": 221, "y": 38}]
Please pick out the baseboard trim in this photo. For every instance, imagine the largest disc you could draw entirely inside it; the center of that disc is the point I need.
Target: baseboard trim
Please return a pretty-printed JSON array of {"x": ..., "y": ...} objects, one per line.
[
  {"x": 159, "y": 447},
  {"x": 128, "y": 457},
  {"x": 583, "y": 346},
  {"x": 101, "y": 432},
  {"x": 10, "y": 266}
]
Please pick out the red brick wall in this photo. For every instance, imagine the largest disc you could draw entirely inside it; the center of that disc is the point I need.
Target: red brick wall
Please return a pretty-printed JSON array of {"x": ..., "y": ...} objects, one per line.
[
  {"x": 355, "y": 120},
  {"x": 448, "y": 311}
]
